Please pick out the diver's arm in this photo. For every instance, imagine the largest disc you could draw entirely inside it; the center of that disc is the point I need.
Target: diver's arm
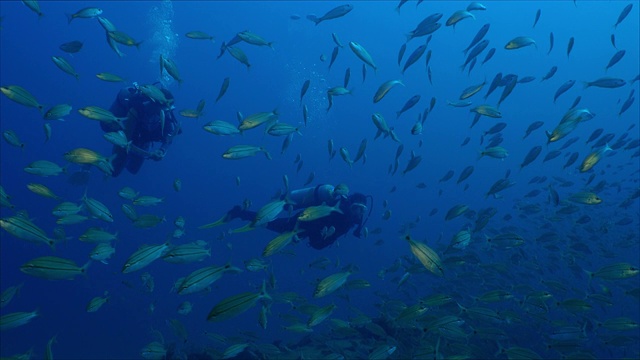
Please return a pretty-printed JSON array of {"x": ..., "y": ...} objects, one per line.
[{"x": 136, "y": 150}]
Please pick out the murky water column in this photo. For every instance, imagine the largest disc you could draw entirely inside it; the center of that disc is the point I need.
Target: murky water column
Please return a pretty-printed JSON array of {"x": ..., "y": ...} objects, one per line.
[{"x": 165, "y": 40}]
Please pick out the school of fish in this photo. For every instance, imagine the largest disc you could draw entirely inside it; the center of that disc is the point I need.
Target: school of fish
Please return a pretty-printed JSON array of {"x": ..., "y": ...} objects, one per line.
[{"x": 532, "y": 274}]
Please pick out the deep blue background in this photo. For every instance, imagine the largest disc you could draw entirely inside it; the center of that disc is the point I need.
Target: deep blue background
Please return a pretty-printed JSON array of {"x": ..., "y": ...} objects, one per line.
[{"x": 123, "y": 326}]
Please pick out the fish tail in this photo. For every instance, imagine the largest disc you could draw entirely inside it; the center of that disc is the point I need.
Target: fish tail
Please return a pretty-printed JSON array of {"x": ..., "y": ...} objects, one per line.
[
  {"x": 84, "y": 267},
  {"x": 69, "y": 17},
  {"x": 586, "y": 84},
  {"x": 138, "y": 44}
]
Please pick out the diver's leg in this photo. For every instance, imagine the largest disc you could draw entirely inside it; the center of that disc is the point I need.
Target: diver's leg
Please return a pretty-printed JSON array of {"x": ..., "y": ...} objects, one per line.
[
  {"x": 236, "y": 212},
  {"x": 282, "y": 224},
  {"x": 119, "y": 161},
  {"x": 135, "y": 163}
]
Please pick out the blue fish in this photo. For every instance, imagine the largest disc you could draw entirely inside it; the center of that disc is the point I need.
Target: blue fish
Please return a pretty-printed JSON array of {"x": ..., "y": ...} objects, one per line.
[
  {"x": 563, "y": 88},
  {"x": 415, "y": 56}
]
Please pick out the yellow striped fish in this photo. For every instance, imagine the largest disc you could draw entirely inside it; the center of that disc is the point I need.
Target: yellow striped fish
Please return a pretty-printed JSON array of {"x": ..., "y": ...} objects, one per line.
[{"x": 426, "y": 255}]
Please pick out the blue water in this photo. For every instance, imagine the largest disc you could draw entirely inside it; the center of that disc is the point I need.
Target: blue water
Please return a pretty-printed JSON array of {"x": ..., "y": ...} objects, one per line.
[{"x": 123, "y": 326}]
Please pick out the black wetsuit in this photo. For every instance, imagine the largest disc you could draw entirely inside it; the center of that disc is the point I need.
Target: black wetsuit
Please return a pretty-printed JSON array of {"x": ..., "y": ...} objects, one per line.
[
  {"x": 143, "y": 128},
  {"x": 342, "y": 222}
]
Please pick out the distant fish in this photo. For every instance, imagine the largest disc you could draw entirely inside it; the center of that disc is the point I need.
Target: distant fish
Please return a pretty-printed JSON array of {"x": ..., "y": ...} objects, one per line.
[
  {"x": 550, "y": 43},
  {"x": 477, "y": 50},
  {"x": 494, "y": 84},
  {"x": 254, "y": 39},
  {"x": 408, "y": 105},
  {"x": 239, "y": 55},
  {"x": 563, "y": 88},
  {"x": 362, "y": 54},
  {"x": 623, "y": 14},
  {"x": 613, "y": 41},
  {"x": 402, "y": 2},
  {"x": 71, "y": 47},
  {"x": 479, "y": 36},
  {"x": 520, "y": 42},
  {"x": 384, "y": 89},
  {"x": 223, "y": 88},
  {"x": 334, "y": 55},
  {"x": 626, "y": 105},
  {"x": 507, "y": 90},
  {"x": 550, "y": 73},
  {"x": 526, "y": 79},
  {"x": 86, "y": 13},
  {"x": 427, "y": 59},
  {"x": 458, "y": 16},
  {"x": 426, "y": 27},
  {"x": 403, "y": 48},
  {"x": 464, "y": 174},
  {"x": 489, "y": 55},
  {"x": 575, "y": 102},
  {"x": 570, "y": 46},
  {"x": 615, "y": 58},
  {"x": 446, "y": 176},
  {"x": 305, "y": 87},
  {"x": 533, "y": 126},
  {"x": 33, "y": 6},
  {"x": 476, "y": 6},
  {"x": 347, "y": 77},
  {"x": 334, "y": 13},
  {"x": 532, "y": 155},
  {"x": 415, "y": 56},
  {"x": 64, "y": 65},
  {"x": 537, "y": 17},
  {"x": 605, "y": 82},
  {"x": 199, "y": 35},
  {"x": 21, "y": 96}
]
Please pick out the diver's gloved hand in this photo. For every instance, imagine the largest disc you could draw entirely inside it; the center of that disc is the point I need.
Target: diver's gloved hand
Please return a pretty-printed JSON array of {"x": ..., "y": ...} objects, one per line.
[{"x": 157, "y": 155}]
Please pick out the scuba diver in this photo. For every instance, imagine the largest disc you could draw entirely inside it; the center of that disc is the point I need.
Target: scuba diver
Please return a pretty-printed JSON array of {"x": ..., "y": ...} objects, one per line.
[
  {"x": 347, "y": 211},
  {"x": 148, "y": 118}
]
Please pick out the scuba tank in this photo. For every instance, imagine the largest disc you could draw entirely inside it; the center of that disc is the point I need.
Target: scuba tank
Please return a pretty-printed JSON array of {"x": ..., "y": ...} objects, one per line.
[{"x": 312, "y": 196}]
